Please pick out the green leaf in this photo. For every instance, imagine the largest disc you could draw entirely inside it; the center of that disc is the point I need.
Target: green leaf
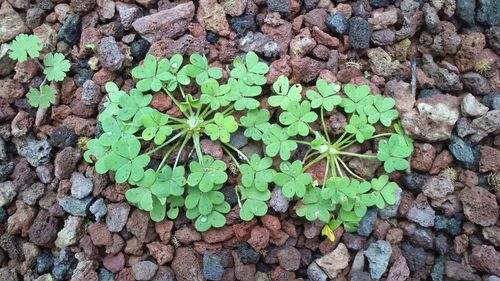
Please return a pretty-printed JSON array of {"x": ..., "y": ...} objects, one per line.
[
  {"x": 284, "y": 93},
  {"x": 383, "y": 110},
  {"x": 256, "y": 123},
  {"x": 221, "y": 128},
  {"x": 134, "y": 105},
  {"x": 125, "y": 159},
  {"x": 214, "y": 94},
  {"x": 43, "y": 98},
  {"x": 360, "y": 128},
  {"x": 141, "y": 197},
  {"x": 156, "y": 127},
  {"x": 292, "y": 179},
  {"x": 172, "y": 182},
  {"x": 252, "y": 72},
  {"x": 200, "y": 70},
  {"x": 278, "y": 142},
  {"x": 314, "y": 207},
  {"x": 254, "y": 202},
  {"x": 112, "y": 131},
  {"x": 242, "y": 94},
  {"x": 56, "y": 66},
  {"x": 358, "y": 98},
  {"x": 152, "y": 74},
  {"x": 326, "y": 96},
  {"x": 297, "y": 118},
  {"x": 257, "y": 172},
  {"x": 25, "y": 46},
  {"x": 394, "y": 153},
  {"x": 207, "y": 173}
]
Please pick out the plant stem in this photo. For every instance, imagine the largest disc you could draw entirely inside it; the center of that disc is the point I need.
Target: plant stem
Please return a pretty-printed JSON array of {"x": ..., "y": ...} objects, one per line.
[
  {"x": 240, "y": 154},
  {"x": 381, "y": 135},
  {"x": 310, "y": 155},
  {"x": 237, "y": 192},
  {"x": 197, "y": 146},
  {"x": 175, "y": 101},
  {"x": 206, "y": 111},
  {"x": 324, "y": 125},
  {"x": 188, "y": 136},
  {"x": 345, "y": 140},
  {"x": 189, "y": 104},
  {"x": 166, "y": 156},
  {"x": 326, "y": 171},
  {"x": 231, "y": 156},
  {"x": 302, "y": 142},
  {"x": 349, "y": 171},
  {"x": 167, "y": 142},
  {"x": 356, "y": 154},
  {"x": 338, "y": 167},
  {"x": 227, "y": 109},
  {"x": 316, "y": 160}
]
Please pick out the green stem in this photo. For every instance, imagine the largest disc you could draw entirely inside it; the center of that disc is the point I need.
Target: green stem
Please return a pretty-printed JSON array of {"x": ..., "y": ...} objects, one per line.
[
  {"x": 381, "y": 135},
  {"x": 240, "y": 154},
  {"x": 188, "y": 136},
  {"x": 326, "y": 171},
  {"x": 324, "y": 126},
  {"x": 338, "y": 167},
  {"x": 340, "y": 138},
  {"x": 184, "y": 96},
  {"x": 332, "y": 167},
  {"x": 176, "y": 119},
  {"x": 309, "y": 155},
  {"x": 228, "y": 109},
  {"x": 197, "y": 146},
  {"x": 237, "y": 192},
  {"x": 175, "y": 101},
  {"x": 344, "y": 146},
  {"x": 167, "y": 142},
  {"x": 206, "y": 111},
  {"x": 344, "y": 140},
  {"x": 356, "y": 154},
  {"x": 165, "y": 157},
  {"x": 316, "y": 160},
  {"x": 349, "y": 171},
  {"x": 303, "y": 142},
  {"x": 231, "y": 156}
]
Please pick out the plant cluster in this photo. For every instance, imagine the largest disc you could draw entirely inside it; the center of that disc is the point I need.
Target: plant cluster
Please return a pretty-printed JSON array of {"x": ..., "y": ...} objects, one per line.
[
  {"x": 55, "y": 66},
  {"x": 207, "y": 102}
]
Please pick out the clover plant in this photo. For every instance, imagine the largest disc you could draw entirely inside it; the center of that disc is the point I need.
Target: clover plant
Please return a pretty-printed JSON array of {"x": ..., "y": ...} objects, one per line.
[
  {"x": 339, "y": 196},
  {"x": 205, "y": 111},
  {"x": 205, "y": 105},
  {"x": 55, "y": 66}
]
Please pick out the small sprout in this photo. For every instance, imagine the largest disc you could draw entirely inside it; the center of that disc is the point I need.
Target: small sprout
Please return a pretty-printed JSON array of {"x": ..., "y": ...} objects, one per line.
[
  {"x": 366, "y": 74},
  {"x": 91, "y": 47},
  {"x": 56, "y": 67},
  {"x": 485, "y": 67},
  {"x": 450, "y": 173},
  {"x": 25, "y": 46},
  {"x": 81, "y": 144},
  {"x": 494, "y": 180},
  {"x": 42, "y": 98}
]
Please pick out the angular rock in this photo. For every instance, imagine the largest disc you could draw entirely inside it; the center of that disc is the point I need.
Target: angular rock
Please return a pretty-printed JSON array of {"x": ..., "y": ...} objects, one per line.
[
  {"x": 212, "y": 267},
  {"x": 11, "y": 22},
  {"x": 43, "y": 231},
  {"x": 110, "y": 55},
  {"x": 211, "y": 15},
  {"x": 70, "y": 233},
  {"x": 438, "y": 187},
  {"x": 472, "y": 107},
  {"x": 334, "y": 262},
  {"x": 193, "y": 272},
  {"x": 76, "y": 207},
  {"x": 421, "y": 212},
  {"x": 144, "y": 270},
  {"x": 480, "y": 206},
  {"x": 378, "y": 254}
]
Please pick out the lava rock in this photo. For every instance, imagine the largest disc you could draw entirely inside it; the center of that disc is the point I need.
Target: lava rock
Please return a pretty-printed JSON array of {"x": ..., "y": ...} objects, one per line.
[
  {"x": 139, "y": 48},
  {"x": 62, "y": 137},
  {"x": 280, "y": 6},
  {"x": 74, "y": 206},
  {"x": 315, "y": 273},
  {"x": 381, "y": 3},
  {"x": 465, "y": 11},
  {"x": 462, "y": 151},
  {"x": 367, "y": 223},
  {"x": 144, "y": 270},
  {"x": 415, "y": 256},
  {"x": 492, "y": 100},
  {"x": 71, "y": 30},
  {"x": 242, "y": 24},
  {"x": 488, "y": 12},
  {"x": 378, "y": 254},
  {"x": 110, "y": 55},
  {"x": 81, "y": 186},
  {"x": 44, "y": 263},
  {"x": 64, "y": 264},
  {"x": 36, "y": 152},
  {"x": 247, "y": 254},
  {"x": 91, "y": 93},
  {"x": 337, "y": 24},
  {"x": 452, "y": 226},
  {"x": 480, "y": 206},
  {"x": 212, "y": 267},
  {"x": 98, "y": 208},
  {"x": 360, "y": 32}
]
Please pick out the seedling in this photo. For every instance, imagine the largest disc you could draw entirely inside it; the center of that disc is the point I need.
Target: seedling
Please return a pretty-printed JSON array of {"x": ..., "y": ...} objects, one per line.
[
  {"x": 340, "y": 196},
  {"x": 55, "y": 66},
  {"x": 160, "y": 188}
]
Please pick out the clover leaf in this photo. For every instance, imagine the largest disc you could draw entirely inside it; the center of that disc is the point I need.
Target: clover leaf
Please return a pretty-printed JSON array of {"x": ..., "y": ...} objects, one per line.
[
  {"x": 383, "y": 110},
  {"x": 314, "y": 207},
  {"x": 111, "y": 131},
  {"x": 155, "y": 127},
  {"x": 292, "y": 179},
  {"x": 174, "y": 203},
  {"x": 56, "y": 66},
  {"x": 142, "y": 195},
  {"x": 99, "y": 151},
  {"x": 111, "y": 106},
  {"x": 360, "y": 128},
  {"x": 125, "y": 159},
  {"x": 383, "y": 192},
  {"x": 207, "y": 173},
  {"x": 207, "y": 208},
  {"x": 277, "y": 142},
  {"x": 257, "y": 172},
  {"x": 252, "y": 71},
  {"x": 152, "y": 74},
  {"x": 256, "y": 123},
  {"x": 42, "y": 98},
  {"x": 134, "y": 105},
  {"x": 357, "y": 98},
  {"x": 200, "y": 70},
  {"x": 285, "y": 93},
  {"x": 394, "y": 153},
  {"x": 297, "y": 118},
  {"x": 25, "y": 46},
  {"x": 254, "y": 202},
  {"x": 173, "y": 182},
  {"x": 179, "y": 74},
  {"x": 242, "y": 94},
  {"x": 214, "y": 94},
  {"x": 326, "y": 96},
  {"x": 222, "y": 128}
]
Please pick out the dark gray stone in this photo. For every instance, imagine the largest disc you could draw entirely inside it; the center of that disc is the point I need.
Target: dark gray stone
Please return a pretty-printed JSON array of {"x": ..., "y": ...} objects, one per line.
[
  {"x": 360, "y": 32},
  {"x": 76, "y": 207},
  {"x": 139, "y": 48},
  {"x": 212, "y": 268},
  {"x": 44, "y": 263},
  {"x": 367, "y": 223},
  {"x": 462, "y": 151},
  {"x": 337, "y": 24},
  {"x": 71, "y": 30},
  {"x": 465, "y": 11},
  {"x": 62, "y": 137},
  {"x": 281, "y": 6},
  {"x": 64, "y": 264},
  {"x": 415, "y": 256},
  {"x": 242, "y": 24},
  {"x": 247, "y": 254}
]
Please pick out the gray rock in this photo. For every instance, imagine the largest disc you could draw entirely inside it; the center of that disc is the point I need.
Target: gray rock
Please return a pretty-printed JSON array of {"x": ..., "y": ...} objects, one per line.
[
  {"x": 438, "y": 187},
  {"x": 34, "y": 192},
  {"x": 415, "y": 256},
  {"x": 98, "y": 208},
  {"x": 144, "y": 270},
  {"x": 492, "y": 100},
  {"x": 391, "y": 211},
  {"x": 367, "y": 223},
  {"x": 45, "y": 173},
  {"x": 63, "y": 264},
  {"x": 8, "y": 274},
  {"x": 242, "y": 24},
  {"x": 437, "y": 273},
  {"x": 238, "y": 139},
  {"x": 128, "y": 13},
  {"x": 259, "y": 43},
  {"x": 117, "y": 216},
  {"x": 383, "y": 37},
  {"x": 488, "y": 12},
  {"x": 360, "y": 32},
  {"x": 475, "y": 83},
  {"x": 139, "y": 48},
  {"x": 486, "y": 124},
  {"x": 315, "y": 273},
  {"x": 8, "y": 192},
  {"x": 81, "y": 186},
  {"x": 44, "y": 263},
  {"x": 110, "y": 55},
  {"x": 36, "y": 152},
  {"x": 361, "y": 276},
  {"x": 212, "y": 268},
  {"x": 462, "y": 151},
  {"x": 445, "y": 80},
  {"x": 472, "y": 107},
  {"x": 493, "y": 35},
  {"x": 3, "y": 150},
  {"x": 278, "y": 201},
  {"x": 431, "y": 19},
  {"x": 91, "y": 93},
  {"x": 421, "y": 212},
  {"x": 71, "y": 29},
  {"x": 6, "y": 170},
  {"x": 105, "y": 275},
  {"x": 442, "y": 244},
  {"x": 464, "y": 128},
  {"x": 337, "y": 24},
  {"x": 280, "y": 6},
  {"x": 378, "y": 254},
  {"x": 465, "y": 11},
  {"x": 11, "y": 22},
  {"x": 34, "y": 17},
  {"x": 76, "y": 207}
]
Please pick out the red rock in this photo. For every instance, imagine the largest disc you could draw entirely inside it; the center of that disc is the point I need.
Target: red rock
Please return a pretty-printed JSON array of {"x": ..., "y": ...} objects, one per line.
[
  {"x": 242, "y": 271},
  {"x": 273, "y": 224},
  {"x": 103, "y": 76},
  {"x": 116, "y": 245},
  {"x": 461, "y": 242},
  {"x": 114, "y": 263},
  {"x": 317, "y": 171},
  {"x": 480, "y": 206},
  {"x": 277, "y": 68},
  {"x": 161, "y": 252},
  {"x": 347, "y": 74},
  {"x": 88, "y": 247},
  {"x": 380, "y": 229},
  {"x": 185, "y": 45},
  {"x": 161, "y": 102},
  {"x": 187, "y": 235},
  {"x": 192, "y": 272},
  {"x": 212, "y": 16},
  {"x": 289, "y": 228},
  {"x": 283, "y": 237},
  {"x": 442, "y": 160},
  {"x": 242, "y": 230},
  {"x": 490, "y": 159},
  {"x": 423, "y": 157},
  {"x": 25, "y": 71},
  {"x": 470, "y": 47},
  {"x": 326, "y": 246},
  {"x": 324, "y": 38},
  {"x": 6, "y": 111},
  {"x": 89, "y": 36},
  {"x": 43, "y": 230},
  {"x": 399, "y": 270},
  {"x": 125, "y": 274},
  {"x": 11, "y": 90},
  {"x": 134, "y": 247},
  {"x": 289, "y": 258},
  {"x": 305, "y": 69},
  {"x": 217, "y": 235},
  {"x": 279, "y": 30},
  {"x": 212, "y": 148},
  {"x": 485, "y": 258},
  {"x": 81, "y": 126},
  {"x": 100, "y": 234},
  {"x": 164, "y": 230},
  {"x": 394, "y": 235},
  {"x": 201, "y": 247},
  {"x": 140, "y": 225},
  {"x": 316, "y": 18},
  {"x": 21, "y": 124},
  {"x": 400, "y": 91},
  {"x": 259, "y": 238}
]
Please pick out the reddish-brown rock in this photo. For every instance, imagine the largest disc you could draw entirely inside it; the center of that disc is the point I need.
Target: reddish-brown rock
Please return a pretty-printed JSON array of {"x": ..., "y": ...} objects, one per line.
[
  {"x": 161, "y": 252},
  {"x": 187, "y": 266},
  {"x": 490, "y": 159},
  {"x": 485, "y": 258},
  {"x": 259, "y": 238},
  {"x": 100, "y": 234},
  {"x": 114, "y": 263},
  {"x": 480, "y": 206},
  {"x": 217, "y": 235}
]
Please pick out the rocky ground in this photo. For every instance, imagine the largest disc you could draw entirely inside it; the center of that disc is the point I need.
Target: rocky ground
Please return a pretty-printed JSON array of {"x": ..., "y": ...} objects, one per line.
[{"x": 438, "y": 58}]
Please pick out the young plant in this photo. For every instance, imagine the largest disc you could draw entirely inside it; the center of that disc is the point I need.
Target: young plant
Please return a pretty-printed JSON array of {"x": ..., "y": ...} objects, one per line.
[
  {"x": 55, "y": 66},
  {"x": 185, "y": 176},
  {"x": 339, "y": 196}
]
